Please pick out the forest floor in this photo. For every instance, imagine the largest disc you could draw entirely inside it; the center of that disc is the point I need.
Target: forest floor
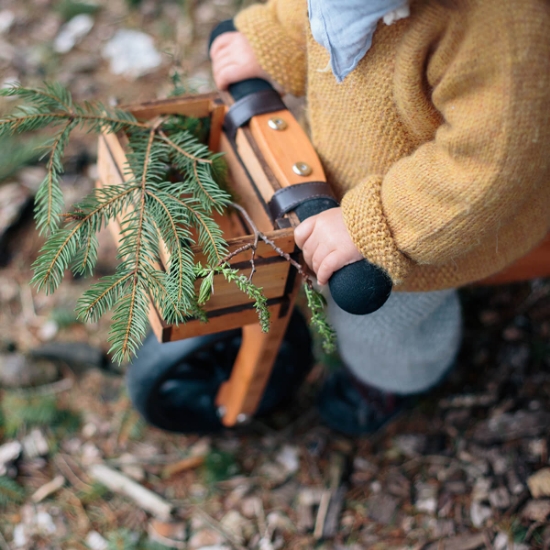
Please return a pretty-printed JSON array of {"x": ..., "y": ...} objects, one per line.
[{"x": 466, "y": 468}]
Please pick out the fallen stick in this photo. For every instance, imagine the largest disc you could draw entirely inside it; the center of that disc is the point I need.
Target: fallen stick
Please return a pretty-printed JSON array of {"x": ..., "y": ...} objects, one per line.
[
  {"x": 48, "y": 489},
  {"x": 144, "y": 498},
  {"x": 182, "y": 465}
]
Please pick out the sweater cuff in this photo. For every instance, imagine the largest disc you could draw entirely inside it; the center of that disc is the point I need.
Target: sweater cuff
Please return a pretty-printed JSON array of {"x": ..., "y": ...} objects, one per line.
[
  {"x": 278, "y": 54},
  {"x": 365, "y": 220}
]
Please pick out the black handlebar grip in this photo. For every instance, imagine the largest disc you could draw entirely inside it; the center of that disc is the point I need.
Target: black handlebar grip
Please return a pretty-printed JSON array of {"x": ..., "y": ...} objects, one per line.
[{"x": 357, "y": 288}]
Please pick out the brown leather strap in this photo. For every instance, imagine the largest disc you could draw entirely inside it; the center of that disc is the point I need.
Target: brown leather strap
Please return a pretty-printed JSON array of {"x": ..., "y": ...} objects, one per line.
[
  {"x": 258, "y": 103},
  {"x": 288, "y": 198}
]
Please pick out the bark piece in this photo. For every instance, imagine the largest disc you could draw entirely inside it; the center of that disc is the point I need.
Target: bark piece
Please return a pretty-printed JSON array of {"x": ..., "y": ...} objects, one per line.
[
  {"x": 539, "y": 483},
  {"x": 48, "y": 489}
]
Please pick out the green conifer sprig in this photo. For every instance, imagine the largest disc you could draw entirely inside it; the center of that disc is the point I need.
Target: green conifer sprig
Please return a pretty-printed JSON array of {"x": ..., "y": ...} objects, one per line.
[
  {"x": 173, "y": 184},
  {"x": 153, "y": 210}
]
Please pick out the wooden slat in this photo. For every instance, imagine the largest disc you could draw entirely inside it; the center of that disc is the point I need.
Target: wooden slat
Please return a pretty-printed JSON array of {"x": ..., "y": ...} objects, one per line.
[
  {"x": 271, "y": 278},
  {"x": 226, "y": 321},
  {"x": 242, "y": 186},
  {"x": 256, "y": 168},
  {"x": 216, "y": 122},
  {"x": 198, "y": 106}
]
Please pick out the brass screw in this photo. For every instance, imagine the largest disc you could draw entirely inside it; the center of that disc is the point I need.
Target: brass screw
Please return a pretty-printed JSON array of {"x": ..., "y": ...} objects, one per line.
[
  {"x": 276, "y": 123},
  {"x": 302, "y": 169}
]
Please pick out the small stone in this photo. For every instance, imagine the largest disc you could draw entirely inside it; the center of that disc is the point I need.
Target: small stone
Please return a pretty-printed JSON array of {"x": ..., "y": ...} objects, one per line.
[
  {"x": 499, "y": 498},
  {"x": 90, "y": 454},
  {"x": 539, "y": 483},
  {"x": 95, "y": 541},
  {"x": 479, "y": 514},
  {"x": 9, "y": 453},
  {"x": 515, "y": 486},
  {"x": 20, "y": 538},
  {"x": 289, "y": 458},
  {"x": 35, "y": 445},
  {"x": 376, "y": 487},
  {"x": 73, "y": 32},
  {"x": 536, "y": 510},
  {"x": 48, "y": 331},
  {"x": 410, "y": 445},
  {"x": 131, "y": 53},
  {"x": 241, "y": 528},
  {"x": 426, "y": 497},
  {"x": 7, "y": 17}
]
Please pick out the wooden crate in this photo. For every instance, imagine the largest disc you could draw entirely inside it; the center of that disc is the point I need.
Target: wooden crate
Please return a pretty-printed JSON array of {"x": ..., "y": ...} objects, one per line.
[
  {"x": 228, "y": 308},
  {"x": 253, "y": 179}
]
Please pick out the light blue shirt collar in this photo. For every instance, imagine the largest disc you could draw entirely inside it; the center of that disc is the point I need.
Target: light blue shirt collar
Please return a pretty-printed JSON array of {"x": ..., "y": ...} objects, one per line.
[{"x": 345, "y": 28}]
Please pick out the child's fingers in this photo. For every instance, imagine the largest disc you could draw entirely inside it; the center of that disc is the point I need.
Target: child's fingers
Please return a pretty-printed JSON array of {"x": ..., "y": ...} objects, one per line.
[
  {"x": 222, "y": 42},
  {"x": 304, "y": 231},
  {"x": 331, "y": 263}
]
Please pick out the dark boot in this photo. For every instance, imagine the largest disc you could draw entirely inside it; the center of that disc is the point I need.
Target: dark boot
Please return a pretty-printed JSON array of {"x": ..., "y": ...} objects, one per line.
[{"x": 354, "y": 408}]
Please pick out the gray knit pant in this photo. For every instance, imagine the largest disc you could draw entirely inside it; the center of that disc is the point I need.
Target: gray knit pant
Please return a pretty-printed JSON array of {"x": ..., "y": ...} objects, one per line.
[{"x": 406, "y": 346}]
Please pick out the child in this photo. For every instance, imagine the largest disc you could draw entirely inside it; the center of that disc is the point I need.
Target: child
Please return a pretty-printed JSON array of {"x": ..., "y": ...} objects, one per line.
[{"x": 432, "y": 120}]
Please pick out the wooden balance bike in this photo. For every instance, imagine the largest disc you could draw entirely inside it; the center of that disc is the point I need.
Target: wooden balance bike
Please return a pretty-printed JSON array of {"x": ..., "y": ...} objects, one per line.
[{"x": 200, "y": 377}]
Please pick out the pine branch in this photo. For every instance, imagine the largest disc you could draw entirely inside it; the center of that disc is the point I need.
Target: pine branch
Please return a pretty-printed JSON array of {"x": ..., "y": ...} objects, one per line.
[{"x": 173, "y": 185}]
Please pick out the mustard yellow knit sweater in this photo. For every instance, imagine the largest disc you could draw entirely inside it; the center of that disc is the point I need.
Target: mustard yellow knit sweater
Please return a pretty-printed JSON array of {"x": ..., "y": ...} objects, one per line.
[{"x": 438, "y": 143}]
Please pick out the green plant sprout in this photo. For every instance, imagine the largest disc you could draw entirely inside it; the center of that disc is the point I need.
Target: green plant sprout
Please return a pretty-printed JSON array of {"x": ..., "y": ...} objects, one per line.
[{"x": 151, "y": 208}]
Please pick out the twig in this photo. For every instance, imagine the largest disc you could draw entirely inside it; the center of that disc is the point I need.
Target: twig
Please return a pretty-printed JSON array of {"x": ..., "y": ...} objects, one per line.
[
  {"x": 231, "y": 255},
  {"x": 48, "y": 489},
  {"x": 119, "y": 483},
  {"x": 259, "y": 234},
  {"x": 322, "y": 514},
  {"x": 218, "y": 527},
  {"x": 188, "y": 463}
]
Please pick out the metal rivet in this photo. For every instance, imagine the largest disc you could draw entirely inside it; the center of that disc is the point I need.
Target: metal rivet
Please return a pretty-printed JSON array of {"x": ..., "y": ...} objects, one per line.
[
  {"x": 302, "y": 169},
  {"x": 276, "y": 123}
]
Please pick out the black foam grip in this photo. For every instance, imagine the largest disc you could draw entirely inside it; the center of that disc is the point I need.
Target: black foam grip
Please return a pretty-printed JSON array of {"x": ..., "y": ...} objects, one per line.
[{"x": 358, "y": 288}]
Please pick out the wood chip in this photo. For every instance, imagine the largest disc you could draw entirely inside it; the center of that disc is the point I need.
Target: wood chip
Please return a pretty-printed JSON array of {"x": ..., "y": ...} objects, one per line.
[
  {"x": 539, "y": 483},
  {"x": 189, "y": 463}
]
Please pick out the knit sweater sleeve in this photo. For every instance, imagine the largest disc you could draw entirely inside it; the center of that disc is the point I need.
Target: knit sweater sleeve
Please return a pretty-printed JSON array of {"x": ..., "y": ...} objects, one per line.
[
  {"x": 489, "y": 77},
  {"x": 276, "y": 31}
]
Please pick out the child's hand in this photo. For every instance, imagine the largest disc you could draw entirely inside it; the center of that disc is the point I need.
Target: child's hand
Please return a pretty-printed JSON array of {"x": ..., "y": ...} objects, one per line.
[
  {"x": 233, "y": 60},
  {"x": 326, "y": 244}
]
